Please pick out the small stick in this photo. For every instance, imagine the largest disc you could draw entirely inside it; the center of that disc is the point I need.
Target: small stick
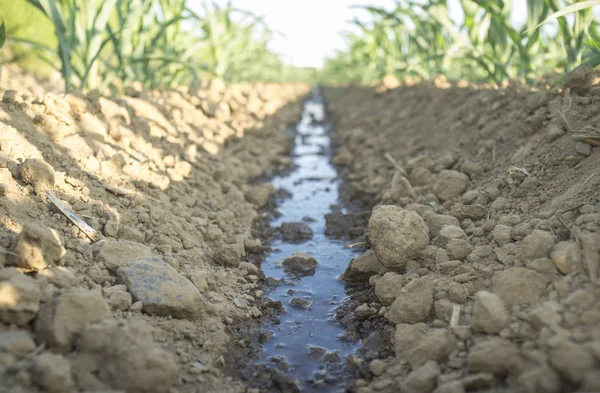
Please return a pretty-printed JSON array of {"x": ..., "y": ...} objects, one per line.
[
  {"x": 573, "y": 208},
  {"x": 564, "y": 120},
  {"x": 569, "y": 229},
  {"x": 395, "y": 164},
  {"x": 590, "y": 178},
  {"x": 355, "y": 244},
  {"x": 455, "y": 315},
  {"x": 72, "y": 216}
]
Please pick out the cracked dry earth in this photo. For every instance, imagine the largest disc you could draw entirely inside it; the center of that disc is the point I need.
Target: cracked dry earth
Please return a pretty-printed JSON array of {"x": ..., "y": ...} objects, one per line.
[{"x": 475, "y": 210}]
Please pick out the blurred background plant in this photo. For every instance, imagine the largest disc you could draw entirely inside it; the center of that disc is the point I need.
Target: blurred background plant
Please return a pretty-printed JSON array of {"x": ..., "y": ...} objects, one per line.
[
  {"x": 158, "y": 43},
  {"x": 419, "y": 39},
  {"x": 97, "y": 44}
]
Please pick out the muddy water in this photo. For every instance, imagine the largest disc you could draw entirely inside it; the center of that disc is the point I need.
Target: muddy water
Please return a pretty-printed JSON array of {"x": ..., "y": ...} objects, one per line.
[{"x": 306, "y": 344}]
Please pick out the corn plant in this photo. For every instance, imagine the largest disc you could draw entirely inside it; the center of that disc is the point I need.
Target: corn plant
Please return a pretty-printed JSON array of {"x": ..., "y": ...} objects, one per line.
[
  {"x": 419, "y": 38},
  {"x": 79, "y": 27},
  {"x": 233, "y": 50},
  {"x": 2, "y": 32},
  {"x": 160, "y": 43}
]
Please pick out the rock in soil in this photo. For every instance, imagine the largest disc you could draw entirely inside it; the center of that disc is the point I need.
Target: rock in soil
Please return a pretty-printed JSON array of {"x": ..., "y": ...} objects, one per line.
[
  {"x": 16, "y": 342},
  {"x": 62, "y": 319},
  {"x": 116, "y": 253},
  {"x": 300, "y": 264},
  {"x": 295, "y": 232},
  {"x": 161, "y": 289},
  {"x": 518, "y": 285},
  {"x": 388, "y": 287},
  {"x": 19, "y": 298},
  {"x": 413, "y": 302},
  {"x": 450, "y": 184},
  {"x": 489, "y": 313},
  {"x": 38, "y": 174},
  {"x": 362, "y": 268},
  {"x": 121, "y": 355},
  {"x": 397, "y": 235},
  {"x": 36, "y": 247},
  {"x": 53, "y": 374}
]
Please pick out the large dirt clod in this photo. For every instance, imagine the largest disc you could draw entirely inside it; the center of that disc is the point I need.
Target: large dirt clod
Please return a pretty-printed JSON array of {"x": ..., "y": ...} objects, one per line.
[
  {"x": 36, "y": 247},
  {"x": 398, "y": 235},
  {"x": 161, "y": 289}
]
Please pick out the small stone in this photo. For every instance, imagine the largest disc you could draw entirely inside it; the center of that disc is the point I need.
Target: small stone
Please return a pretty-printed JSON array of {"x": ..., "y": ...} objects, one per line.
[
  {"x": 161, "y": 289},
  {"x": 377, "y": 367},
  {"x": 502, "y": 234},
  {"x": 472, "y": 168},
  {"x": 479, "y": 380},
  {"x": 227, "y": 255},
  {"x": 537, "y": 244},
  {"x": 591, "y": 383},
  {"x": 116, "y": 253},
  {"x": 567, "y": 257},
  {"x": 447, "y": 233},
  {"x": 518, "y": 285},
  {"x": 408, "y": 335},
  {"x": 572, "y": 361},
  {"x": 259, "y": 195},
  {"x": 62, "y": 277},
  {"x": 436, "y": 222},
  {"x": 459, "y": 249},
  {"x": 542, "y": 266},
  {"x": 17, "y": 342},
  {"x": 527, "y": 186},
  {"x": 496, "y": 356},
  {"x": 489, "y": 314},
  {"x": 583, "y": 148},
  {"x": 296, "y": 232},
  {"x": 545, "y": 315},
  {"x": 122, "y": 356},
  {"x": 443, "y": 309},
  {"x": 413, "y": 303},
  {"x": 542, "y": 379},
  {"x": 36, "y": 247},
  {"x": 422, "y": 379},
  {"x": 572, "y": 160},
  {"x": 136, "y": 306},
  {"x": 581, "y": 79},
  {"x": 388, "y": 287},
  {"x": 450, "y": 184},
  {"x": 437, "y": 345},
  {"x": 53, "y": 373},
  {"x": 61, "y": 319},
  {"x": 554, "y": 132},
  {"x": 362, "y": 268},
  {"x": 19, "y": 299},
  {"x": 397, "y": 235},
  {"x": 118, "y": 298},
  {"x": 450, "y": 387},
  {"x": 253, "y": 245},
  {"x": 111, "y": 228},
  {"x": 419, "y": 176},
  {"x": 38, "y": 174},
  {"x": 300, "y": 303},
  {"x": 300, "y": 264}
]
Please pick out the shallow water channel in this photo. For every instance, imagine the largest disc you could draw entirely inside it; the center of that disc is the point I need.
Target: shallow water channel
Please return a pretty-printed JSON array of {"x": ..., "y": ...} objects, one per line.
[{"x": 305, "y": 345}]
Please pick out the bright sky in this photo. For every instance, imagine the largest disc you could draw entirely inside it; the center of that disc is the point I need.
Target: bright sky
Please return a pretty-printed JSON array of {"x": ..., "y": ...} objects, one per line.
[{"x": 311, "y": 29}]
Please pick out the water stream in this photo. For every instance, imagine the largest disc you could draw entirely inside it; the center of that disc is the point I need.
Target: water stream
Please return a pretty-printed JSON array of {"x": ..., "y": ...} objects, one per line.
[{"x": 305, "y": 345}]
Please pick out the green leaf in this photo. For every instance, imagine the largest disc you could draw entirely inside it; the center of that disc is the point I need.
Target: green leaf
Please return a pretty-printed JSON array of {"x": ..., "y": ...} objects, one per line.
[
  {"x": 2, "y": 32},
  {"x": 576, "y": 7}
]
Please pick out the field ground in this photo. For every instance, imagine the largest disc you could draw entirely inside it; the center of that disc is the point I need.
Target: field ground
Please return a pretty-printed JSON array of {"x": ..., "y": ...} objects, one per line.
[{"x": 478, "y": 210}]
